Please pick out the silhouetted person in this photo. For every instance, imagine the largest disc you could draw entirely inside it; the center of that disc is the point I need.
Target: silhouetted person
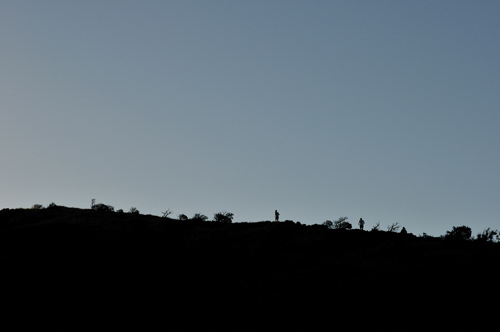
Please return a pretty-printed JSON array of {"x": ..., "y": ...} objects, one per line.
[
  {"x": 361, "y": 223},
  {"x": 276, "y": 216}
]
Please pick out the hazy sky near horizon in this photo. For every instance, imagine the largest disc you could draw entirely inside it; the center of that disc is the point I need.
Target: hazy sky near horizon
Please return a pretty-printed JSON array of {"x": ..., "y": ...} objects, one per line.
[{"x": 386, "y": 110}]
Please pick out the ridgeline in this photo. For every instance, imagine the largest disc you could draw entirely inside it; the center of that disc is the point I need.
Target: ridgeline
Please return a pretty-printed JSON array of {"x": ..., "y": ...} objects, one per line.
[{"x": 71, "y": 268}]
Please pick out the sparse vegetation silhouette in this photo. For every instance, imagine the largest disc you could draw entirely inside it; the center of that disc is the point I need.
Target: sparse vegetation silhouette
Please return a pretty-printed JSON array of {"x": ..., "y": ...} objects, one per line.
[{"x": 142, "y": 266}]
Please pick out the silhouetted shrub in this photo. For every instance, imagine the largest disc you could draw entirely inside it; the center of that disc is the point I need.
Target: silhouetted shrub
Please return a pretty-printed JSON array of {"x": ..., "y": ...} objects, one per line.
[
  {"x": 182, "y": 217},
  {"x": 103, "y": 207},
  {"x": 37, "y": 207},
  {"x": 224, "y": 217},
  {"x": 133, "y": 210},
  {"x": 167, "y": 213},
  {"x": 376, "y": 228},
  {"x": 341, "y": 223},
  {"x": 51, "y": 206},
  {"x": 488, "y": 235},
  {"x": 328, "y": 224},
  {"x": 199, "y": 217},
  {"x": 394, "y": 227},
  {"x": 119, "y": 211},
  {"x": 462, "y": 233}
]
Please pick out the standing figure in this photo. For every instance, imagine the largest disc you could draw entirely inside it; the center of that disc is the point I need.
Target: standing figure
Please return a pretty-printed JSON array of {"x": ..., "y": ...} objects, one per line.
[
  {"x": 361, "y": 223},
  {"x": 276, "y": 216}
]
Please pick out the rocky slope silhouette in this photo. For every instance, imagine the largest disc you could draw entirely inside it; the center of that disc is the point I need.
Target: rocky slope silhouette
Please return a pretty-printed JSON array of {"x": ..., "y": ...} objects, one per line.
[{"x": 67, "y": 267}]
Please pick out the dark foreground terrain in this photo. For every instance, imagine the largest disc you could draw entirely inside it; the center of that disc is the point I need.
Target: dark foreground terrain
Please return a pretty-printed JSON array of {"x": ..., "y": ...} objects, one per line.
[{"x": 71, "y": 269}]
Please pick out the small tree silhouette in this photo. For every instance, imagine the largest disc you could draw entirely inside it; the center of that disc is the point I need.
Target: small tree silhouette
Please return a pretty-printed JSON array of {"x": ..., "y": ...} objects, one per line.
[
  {"x": 462, "y": 233},
  {"x": 182, "y": 217},
  {"x": 394, "y": 227},
  {"x": 341, "y": 223},
  {"x": 224, "y": 217},
  {"x": 133, "y": 210}
]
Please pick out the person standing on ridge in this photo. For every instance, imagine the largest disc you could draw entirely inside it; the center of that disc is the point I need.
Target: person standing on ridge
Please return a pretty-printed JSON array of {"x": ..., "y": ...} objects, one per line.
[
  {"x": 276, "y": 216},
  {"x": 361, "y": 223}
]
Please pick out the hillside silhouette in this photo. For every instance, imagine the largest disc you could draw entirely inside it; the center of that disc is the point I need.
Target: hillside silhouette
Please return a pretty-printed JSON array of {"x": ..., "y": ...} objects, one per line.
[{"x": 108, "y": 270}]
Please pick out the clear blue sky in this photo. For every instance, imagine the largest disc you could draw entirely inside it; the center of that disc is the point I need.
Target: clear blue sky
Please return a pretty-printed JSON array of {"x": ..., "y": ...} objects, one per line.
[{"x": 386, "y": 110}]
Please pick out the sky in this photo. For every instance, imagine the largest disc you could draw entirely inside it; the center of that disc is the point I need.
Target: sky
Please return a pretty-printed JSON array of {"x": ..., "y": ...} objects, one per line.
[{"x": 382, "y": 110}]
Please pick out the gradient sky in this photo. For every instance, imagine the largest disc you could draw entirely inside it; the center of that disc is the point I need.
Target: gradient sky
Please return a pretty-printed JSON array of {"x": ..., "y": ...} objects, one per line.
[{"x": 385, "y": 110}]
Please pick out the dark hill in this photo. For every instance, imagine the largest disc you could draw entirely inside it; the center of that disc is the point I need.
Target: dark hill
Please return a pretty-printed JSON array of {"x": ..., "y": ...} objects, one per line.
[{"x": 74, "y": 268}]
